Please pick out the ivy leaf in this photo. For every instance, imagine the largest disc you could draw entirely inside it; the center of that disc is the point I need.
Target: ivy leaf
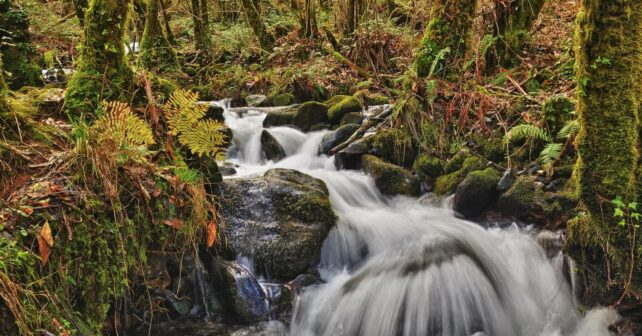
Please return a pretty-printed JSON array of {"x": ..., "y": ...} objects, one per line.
[
  {"x": 622, "y": 223},
  {"x": 633, "y": 205},
  {"x": 618, "y": 212},
  {"x": 636, "y": 216},
  {"x": 617, "y": 201}
]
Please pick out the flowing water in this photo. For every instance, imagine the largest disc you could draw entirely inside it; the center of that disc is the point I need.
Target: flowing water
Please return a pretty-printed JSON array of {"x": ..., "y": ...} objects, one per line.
[{"x": 404, "y": 267}]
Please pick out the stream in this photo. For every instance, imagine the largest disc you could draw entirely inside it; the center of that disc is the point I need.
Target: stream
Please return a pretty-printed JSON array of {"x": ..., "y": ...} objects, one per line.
[{"x": 404, "y": 266}]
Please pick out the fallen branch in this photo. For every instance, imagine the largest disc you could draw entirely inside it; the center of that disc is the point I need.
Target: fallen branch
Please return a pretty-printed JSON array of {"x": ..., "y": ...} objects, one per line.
[{"x": 363, "y": 129}]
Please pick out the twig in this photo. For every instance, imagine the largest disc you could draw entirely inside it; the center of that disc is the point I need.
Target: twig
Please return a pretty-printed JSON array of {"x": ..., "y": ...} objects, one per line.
[{"x": 362, "y": 130}]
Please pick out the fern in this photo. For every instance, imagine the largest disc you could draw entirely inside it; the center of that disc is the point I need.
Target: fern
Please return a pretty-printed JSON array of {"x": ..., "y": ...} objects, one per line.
[
  {"x": 551, "y": 152},
  {"x": 526, "y": 131},
  {"x": 130, "y": 134},
  {"x": 185, "y": 119},
  {"x": 570, "y": 129},
  {"x": 438, "y": 58}
]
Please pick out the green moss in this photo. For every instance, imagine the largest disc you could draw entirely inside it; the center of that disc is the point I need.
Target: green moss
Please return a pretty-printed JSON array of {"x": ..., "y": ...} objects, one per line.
[
  {"x": 371, "y": 99},
  {"x": 310, "y": 114},
  {"x": 557, "y": 111},
  {"x": 283, "y": 99},
  {"x": 447, "y": 184},
  {"x": 456, "y": 161},
  {"x": 343, "y": 107},
  {"x": 514, "y": 23},
  {"x": 390, "y": 179},
  {"x": 103, "y": 72},
  {"x": 428, "y": 168},
  {"x": 20, "y": 57},
  {"x": 394, "y": 145},
  {"x": 447, "y": 38},
  {"x": 491, "y": 146}
]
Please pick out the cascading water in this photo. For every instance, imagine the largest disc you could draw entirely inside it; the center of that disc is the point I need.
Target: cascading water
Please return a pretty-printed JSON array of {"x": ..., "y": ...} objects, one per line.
[{"x": 402, "y": 267}]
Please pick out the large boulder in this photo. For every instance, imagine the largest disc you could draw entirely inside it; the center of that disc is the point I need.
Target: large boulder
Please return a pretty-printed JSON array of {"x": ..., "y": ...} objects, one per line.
[
  {"x": 283, "y": 99},
  {"x": 310, "y": 114},
  {"x": 390, "y": 179},
  {"x": 343, "y": 107},
  {"x": 428, "y": 168},
  {"x": 394, "y": 145},
  {"x": 279, "y": 118},
  {"x": 215, "y": 112},
  {"x": 336, "y": 137},
  {"x": 352, "y": 118},
  {"x": 476, "y": 192},
  {"x": 272, "y": 150},
  {"x": 256, "y": 100},
  {"x": 280, "y": 220}
]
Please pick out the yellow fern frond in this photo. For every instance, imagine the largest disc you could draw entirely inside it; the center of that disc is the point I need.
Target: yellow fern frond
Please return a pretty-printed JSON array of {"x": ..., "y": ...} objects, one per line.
[{"x": 185, "y": 119}]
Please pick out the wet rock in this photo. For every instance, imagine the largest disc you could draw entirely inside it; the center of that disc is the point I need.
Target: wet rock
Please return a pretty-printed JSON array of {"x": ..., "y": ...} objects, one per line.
[
  {"x": 256, "y": 100},
  {"x": 551, "y": 242},
  {"x": 455, "y": 162},
  {"x": 279, "y": 118},
  {"x": 283, "y": 99},
  {"x": 320, "y": 127},
  {"x": 227, "y": 168},
  {"x": 310, "y": 114},
  {"x": 241, "y": 292},
  {"x": 280, "y": 220},
  {"x": 215, "y": 112},
  {"x": 343, "y": 107},
  {"x": 272, "y": 150},
  {"x": 304, "y": 280},
  {"x": 335, "y": 100},
  {"x": 507, "y": 180},
  {"x": 271, "y": 328},
  {"x": 50, "y": 100},
  {"x": 390, "y": 179},
  {"x": 352, "y": 118},
  {"x": 336, "y": 137},
  {"x": 350, "y": 157},
  {"x": 188, "y": 325},
  {"x": 476, "y": 192}
]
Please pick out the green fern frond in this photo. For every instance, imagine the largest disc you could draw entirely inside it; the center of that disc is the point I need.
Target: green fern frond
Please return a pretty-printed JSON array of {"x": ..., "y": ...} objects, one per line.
[
  {"x": 184, "y": 117},
  {"x": 570, "y": 129},
  {"x": 438, "y": 58},
  {"x": 526, "y": 131},
  {"x": 551, "y": 152}
]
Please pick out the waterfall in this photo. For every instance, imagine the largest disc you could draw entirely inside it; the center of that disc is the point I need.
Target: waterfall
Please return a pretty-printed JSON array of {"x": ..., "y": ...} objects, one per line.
[{"x": 402, "y": 267}]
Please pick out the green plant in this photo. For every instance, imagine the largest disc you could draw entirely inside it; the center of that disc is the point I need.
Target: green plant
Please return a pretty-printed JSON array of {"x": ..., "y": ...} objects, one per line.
[
  {"x": 526, "y": 132},
  {"x": 185, "y": 119},
  {"x": 628, "y": 217}
]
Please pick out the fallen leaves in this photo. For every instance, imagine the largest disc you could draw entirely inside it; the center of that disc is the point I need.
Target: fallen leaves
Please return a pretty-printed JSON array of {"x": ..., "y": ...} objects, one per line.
[
  {"x": 174, "y": 223},
  {"x": 45, "y": 243},
  {"x": 211, "y": 233}
]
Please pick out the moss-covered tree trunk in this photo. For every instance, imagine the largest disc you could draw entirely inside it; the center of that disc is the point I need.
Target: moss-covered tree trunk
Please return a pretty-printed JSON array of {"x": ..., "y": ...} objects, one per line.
[
  {"x": 356, "y": 9},
  {"x": 168, "y": 30},
  {"x": 19, "y": 54},
  {"x": 266, "y": 40},
  {"x": 103, "y": 72},
  {"x": 200, "y": 17},
  {"x": 80, "y": 6},
  {"x": 609, "y": 69},
  {"x": 156, "y": 52},
  {"x": 514, "y": 22},
  {"x": 447, "y": 38}
]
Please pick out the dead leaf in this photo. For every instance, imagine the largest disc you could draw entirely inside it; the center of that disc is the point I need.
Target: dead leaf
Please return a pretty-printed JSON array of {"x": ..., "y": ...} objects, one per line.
[
  {"x": 45, "y": 243},
  {"x": 211, "y": 233},
  {"x": 27, "y": 210},
  {"x": 174, "y": 223}
]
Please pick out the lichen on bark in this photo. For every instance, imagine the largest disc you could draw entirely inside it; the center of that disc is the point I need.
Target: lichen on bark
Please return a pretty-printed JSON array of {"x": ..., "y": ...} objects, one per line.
[
  {"x": 103, "y": 71},
  {"x": 446, "y": 40}
]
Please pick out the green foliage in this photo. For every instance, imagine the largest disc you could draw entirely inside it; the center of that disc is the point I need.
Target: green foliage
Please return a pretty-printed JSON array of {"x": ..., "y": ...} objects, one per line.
[
  {"x": 626, "y": 213},
  {"x": 570, "y": 129},
  {"x": 550, "y": 153},
  {"x": 185, "y": 119},
  {"x": 527, "y": 132}
]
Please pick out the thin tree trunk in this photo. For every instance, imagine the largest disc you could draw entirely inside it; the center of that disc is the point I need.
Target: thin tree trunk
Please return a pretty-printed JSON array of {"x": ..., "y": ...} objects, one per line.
[
  {"x": 200, "y": 18},
  {"x": 266, "y": 40},
  {"x": 168, "y": 29},
  {"x": 156, "y": 52}
]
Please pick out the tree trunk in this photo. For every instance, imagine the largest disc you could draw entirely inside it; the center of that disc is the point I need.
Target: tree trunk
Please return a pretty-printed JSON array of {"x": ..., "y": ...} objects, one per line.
[
  {"x": 609, "y": 69},
  {"x": 103, "y": 72},
  {"x": 200, "y": 17},
  {"x": 168, "y": 29},
  {"x": 514, "y": 22},
  {"x": 156, "y": 52},
  {"x": 310, "y": 19},
  {"x": 80, "y": 6},
  {"x": 19, "y": 54},
  {"x": 447, "y": 38},
  {"x": 266, "y": 40}
]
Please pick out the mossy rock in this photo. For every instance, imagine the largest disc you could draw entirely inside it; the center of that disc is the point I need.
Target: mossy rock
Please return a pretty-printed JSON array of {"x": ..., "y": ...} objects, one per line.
[
  {"x": 428, "y": 168},
  {"x": 350, "y": 157},
  {"x": 345, "y": 106},
  {"x": 205, "y": 93},
  {"x": 455, "y": 162},
  {"x": 352, "y": 118},
  {"x": 491, "y": 146},
  {"x": 283, "y": 99},
  {"x": 310, "y": 114},
  {"x": 271, "y": 148},
  {"x": 335, "y": 100},
  {"x": 390, "y": 179},
  {"x": 371, "y": 99},
  {"x": 280, "y": 118},
  {"x": 476, "y": 192},
  {"x": 395, "y": 146},
  {"x": 447, "y": 184},
  {"x": 336, "y": 137}
]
